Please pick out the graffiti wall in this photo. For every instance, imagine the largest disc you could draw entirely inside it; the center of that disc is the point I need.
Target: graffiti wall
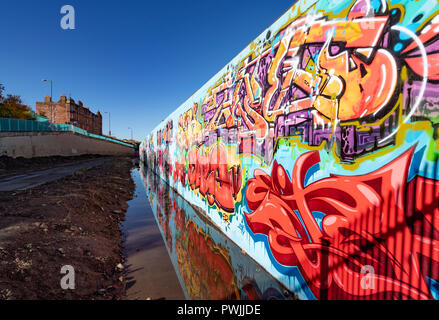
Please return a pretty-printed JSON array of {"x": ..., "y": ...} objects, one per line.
[
  {"x": 208, "y": 266},
  {"x": 316, "y": 149}
]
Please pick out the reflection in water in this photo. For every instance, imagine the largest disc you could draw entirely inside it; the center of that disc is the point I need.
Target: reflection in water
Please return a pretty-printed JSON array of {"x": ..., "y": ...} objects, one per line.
[
  {"x": 149, "y": 269},
  {"x": 208, "y": 264}
]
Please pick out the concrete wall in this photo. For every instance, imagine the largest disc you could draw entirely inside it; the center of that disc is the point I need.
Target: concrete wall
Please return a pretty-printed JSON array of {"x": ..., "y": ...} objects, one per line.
[
  {"x": 44, "y": 144},
  {"x": 316, "y": 149}
]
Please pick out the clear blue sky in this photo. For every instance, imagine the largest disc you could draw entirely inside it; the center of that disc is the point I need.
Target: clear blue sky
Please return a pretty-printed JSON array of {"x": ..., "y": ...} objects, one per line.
[{"x": 137, "y": 59}]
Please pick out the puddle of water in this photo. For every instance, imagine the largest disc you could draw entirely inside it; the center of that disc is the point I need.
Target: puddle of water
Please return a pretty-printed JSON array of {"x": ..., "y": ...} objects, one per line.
[
  {"x": 149, "y": 270},
  {"x": 208, "y": 264}
]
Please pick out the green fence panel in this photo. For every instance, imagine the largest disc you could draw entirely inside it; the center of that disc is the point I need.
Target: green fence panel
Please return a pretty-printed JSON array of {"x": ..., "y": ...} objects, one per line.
[{"x": 16, "y": 125}]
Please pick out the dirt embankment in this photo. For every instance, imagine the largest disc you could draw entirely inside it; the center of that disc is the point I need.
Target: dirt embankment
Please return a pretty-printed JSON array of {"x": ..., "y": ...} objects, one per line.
[{"x": 73, "y": 221}]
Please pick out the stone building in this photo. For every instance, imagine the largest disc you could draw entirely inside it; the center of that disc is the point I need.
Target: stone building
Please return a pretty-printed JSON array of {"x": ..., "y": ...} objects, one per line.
[{"x": 66, "y": 110}]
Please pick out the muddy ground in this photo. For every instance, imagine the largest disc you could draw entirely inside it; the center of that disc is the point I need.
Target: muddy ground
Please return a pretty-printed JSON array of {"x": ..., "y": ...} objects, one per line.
[{"x": 73, "y": 221}]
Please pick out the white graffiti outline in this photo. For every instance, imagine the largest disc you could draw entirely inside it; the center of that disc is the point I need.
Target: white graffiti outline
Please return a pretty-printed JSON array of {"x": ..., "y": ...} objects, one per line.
[{"x": 424, "y": 80}]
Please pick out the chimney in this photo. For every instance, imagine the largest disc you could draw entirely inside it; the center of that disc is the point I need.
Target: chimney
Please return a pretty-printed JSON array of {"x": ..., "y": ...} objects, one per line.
[{"x": 47, "y": 99}]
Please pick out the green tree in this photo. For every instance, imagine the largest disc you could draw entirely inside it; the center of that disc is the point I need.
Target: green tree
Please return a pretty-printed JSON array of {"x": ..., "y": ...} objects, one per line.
[
  {"x": 11, "y": 106},
  {"x": 2, "y": 88}
]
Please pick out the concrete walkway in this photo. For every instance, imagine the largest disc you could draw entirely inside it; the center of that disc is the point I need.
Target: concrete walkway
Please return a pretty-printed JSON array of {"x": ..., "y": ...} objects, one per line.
[{"x": 36, "y": 178}]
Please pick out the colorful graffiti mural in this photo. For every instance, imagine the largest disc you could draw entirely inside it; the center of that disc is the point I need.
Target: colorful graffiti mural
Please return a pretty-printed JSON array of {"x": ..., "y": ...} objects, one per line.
[{"x": 316, "y": 149}]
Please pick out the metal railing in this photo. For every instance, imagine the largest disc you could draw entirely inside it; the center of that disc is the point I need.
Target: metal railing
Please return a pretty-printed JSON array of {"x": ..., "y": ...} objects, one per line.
[{"x": 17, "y": 125}]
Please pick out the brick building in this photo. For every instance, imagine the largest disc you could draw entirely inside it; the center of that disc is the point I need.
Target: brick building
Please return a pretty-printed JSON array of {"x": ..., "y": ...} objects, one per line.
[{"x": 66, "y": 110}]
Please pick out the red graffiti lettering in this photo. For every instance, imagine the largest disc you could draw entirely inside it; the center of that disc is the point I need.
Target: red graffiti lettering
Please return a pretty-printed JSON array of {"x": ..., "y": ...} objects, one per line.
[
  {"x": 367, "y": 224},
  {"x": 210, "y": 174}
]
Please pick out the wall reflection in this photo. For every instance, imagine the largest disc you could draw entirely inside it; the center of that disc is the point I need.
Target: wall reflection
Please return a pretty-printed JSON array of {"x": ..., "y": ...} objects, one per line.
[{"x": 208, "y": 265}]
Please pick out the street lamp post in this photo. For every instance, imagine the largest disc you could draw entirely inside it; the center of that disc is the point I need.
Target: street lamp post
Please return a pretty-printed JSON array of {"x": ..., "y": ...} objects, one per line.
[
  {"x": 131, "y": 132},
  {"x": 109, "y": 123},
  {"x": 51, "y": 109}
]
